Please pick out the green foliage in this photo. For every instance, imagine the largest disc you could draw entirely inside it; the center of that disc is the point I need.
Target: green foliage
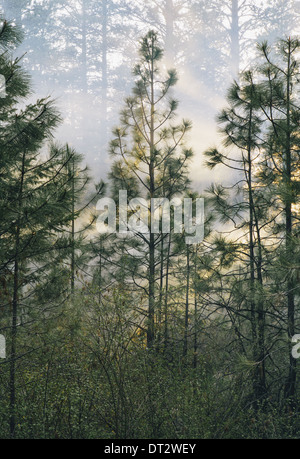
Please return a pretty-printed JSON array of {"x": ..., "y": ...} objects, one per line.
[{"x": 146, "y": 337}]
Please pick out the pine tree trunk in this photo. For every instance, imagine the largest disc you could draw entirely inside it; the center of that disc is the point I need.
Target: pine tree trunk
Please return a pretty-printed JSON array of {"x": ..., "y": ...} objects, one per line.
[
  {"x": 291, "y": 381},
  {"x": 84, "y": 49},
  {"x": 104, "y": 88},
  {"x": 169, "y": 40},
  {"x": 14, "y": 326},
  {"x": 151, "y": 310},
  {"x": 100, "y": 271},
  {"x": 73, "y": 228},
  {"x": 257, "y": 312},
  {"x": 161, "y": 286},
  {"x": 166, "y": 312},
  {"x": 261, "y": 376},
  {"x": 235, "y": 38},
  {"x": 186, "y": 323},
  {"x": 13, "y": 353},
  {"x": 195, "y": 359}
]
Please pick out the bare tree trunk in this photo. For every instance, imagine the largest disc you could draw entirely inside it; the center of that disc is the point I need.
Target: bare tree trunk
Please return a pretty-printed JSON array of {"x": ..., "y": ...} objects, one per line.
[
  {"x": 235, "y": 38},
  {"x": 169, "y": 16},
  {"x": 257, "y": 307},
  {"x": 195, "y": 358},
  {"x": 84, "y": 49},
  {"x": 186, "y": 324},
  {"x": 104, "y": 88},
  {"x": 151, "y": 309},
  {"x": 15, "y": 303},
  {"x": 161, "y": 287},
  {"x": 166, "y": 312},
  {"x": 291, "y": 380},
  {"x": 73, "y": 227}
]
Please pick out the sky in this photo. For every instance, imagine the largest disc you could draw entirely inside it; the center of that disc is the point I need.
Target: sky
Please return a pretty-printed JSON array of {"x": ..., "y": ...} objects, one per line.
[{"x": 199, "y": 39}]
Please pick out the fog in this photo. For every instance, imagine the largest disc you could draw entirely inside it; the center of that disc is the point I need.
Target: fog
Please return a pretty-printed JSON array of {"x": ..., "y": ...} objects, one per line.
[{"x": 81, "y": 53}]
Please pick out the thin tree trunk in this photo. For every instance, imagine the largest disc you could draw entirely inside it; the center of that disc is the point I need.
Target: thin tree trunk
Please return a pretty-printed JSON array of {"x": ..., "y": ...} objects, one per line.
[
  {"x": 169, "y": 16},
  {"x": 84, "y": 49},
  {"x": 100, "y": 271},
  {"x": 166, "y": 312},
  {"x": 186, "y": 324},
  {"x": 104, "y": 89},
  {"x": 13, "y": 353},
  {"x": 161, "y": 286},
  {"x": 235, "y": 38},
  {"x": 257, "y": 308},
  {"x": 15, "y": 303},
  {"x": 195, "y": 359},
  {"x": 291, "y": 380},
  {"x": 73, "y": 227},
  {"x": 151, "y": 310}
]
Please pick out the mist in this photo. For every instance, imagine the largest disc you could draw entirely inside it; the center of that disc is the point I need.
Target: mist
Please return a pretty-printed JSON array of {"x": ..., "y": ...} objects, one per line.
[{"x": 81, "y": 53}]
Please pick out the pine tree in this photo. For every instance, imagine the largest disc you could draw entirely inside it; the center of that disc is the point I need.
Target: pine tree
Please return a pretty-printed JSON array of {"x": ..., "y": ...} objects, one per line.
[
  {"x": 262, "y": 124},
  {"x": 280, "y": 106},
  {"x": 36, "y": 205},
  {"x": 154, "y": 155},
  {"x": 241, "y": 127}
]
